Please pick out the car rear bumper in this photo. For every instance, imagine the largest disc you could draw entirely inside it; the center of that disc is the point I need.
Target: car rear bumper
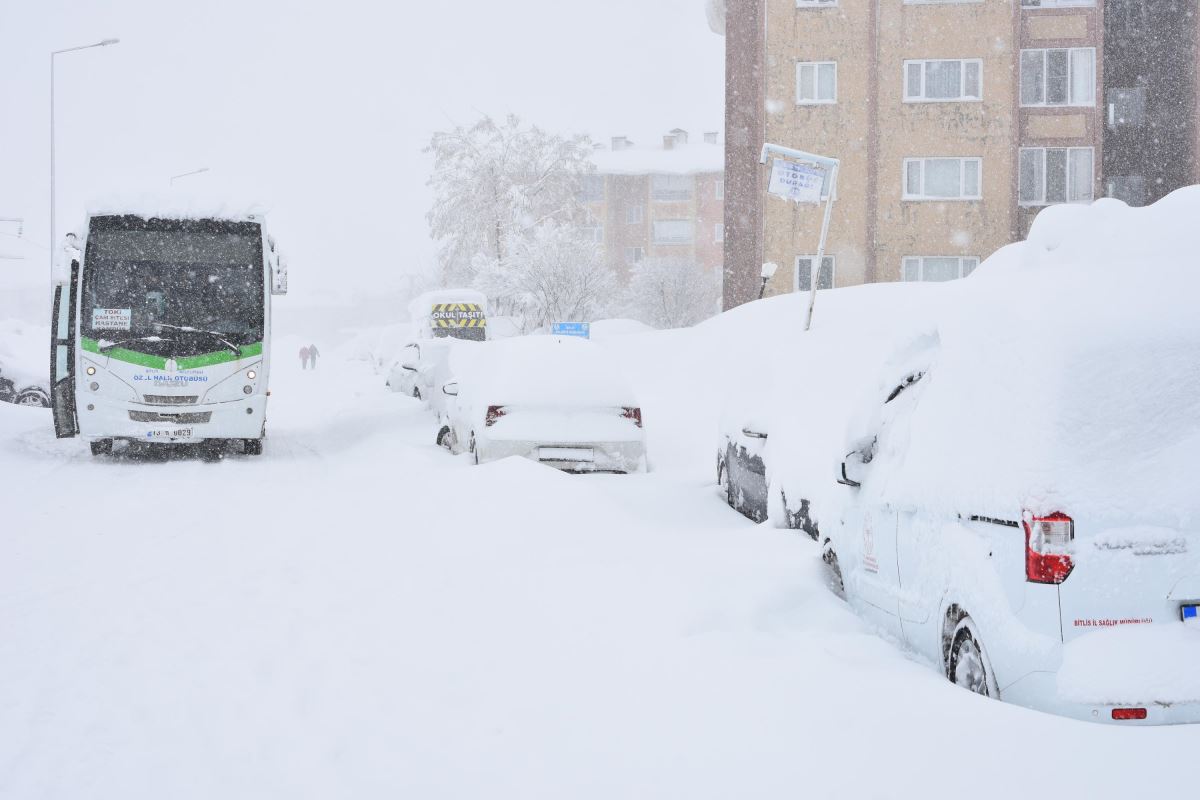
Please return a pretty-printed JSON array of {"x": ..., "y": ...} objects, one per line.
[
  {"x": 1039, "y": 691},
  {"x": 239, "y": 419},
  {"x": 606, "y": 456}
]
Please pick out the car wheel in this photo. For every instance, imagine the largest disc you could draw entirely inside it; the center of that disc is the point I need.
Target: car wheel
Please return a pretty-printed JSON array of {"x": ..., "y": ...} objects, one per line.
[
  {"x": 252, "y": 447},
  {"x": 416, "y": 392},
  {"x": 968, "y": 665},
  {"x": 33, "y": 396},
  {"x": 443, "y": 437},
  {"x": 834, "y": 570},
  {"x": 101, "y": 447},
  {"x": 726, "y": 484}
]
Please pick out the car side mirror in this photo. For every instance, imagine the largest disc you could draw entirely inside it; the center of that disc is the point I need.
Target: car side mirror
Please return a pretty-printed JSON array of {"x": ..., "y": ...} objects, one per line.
[
  {"x": 450, "y": 389},
  {"x": 846, "y": 480},
  {"x": 854, "y": 463}
]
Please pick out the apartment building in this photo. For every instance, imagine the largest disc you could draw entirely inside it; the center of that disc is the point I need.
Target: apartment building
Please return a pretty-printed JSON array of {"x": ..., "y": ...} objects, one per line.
[
  {"x": 955, "y": 121},
  {"x": 660, "y": 201}
]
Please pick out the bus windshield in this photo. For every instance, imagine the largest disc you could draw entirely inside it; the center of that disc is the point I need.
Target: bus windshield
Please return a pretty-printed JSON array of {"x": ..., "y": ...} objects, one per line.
[{"x": 173, "y": 287}]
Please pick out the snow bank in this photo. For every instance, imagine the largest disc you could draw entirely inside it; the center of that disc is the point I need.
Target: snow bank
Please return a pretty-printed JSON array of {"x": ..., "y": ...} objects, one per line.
[{"x": 24, "y": 353}]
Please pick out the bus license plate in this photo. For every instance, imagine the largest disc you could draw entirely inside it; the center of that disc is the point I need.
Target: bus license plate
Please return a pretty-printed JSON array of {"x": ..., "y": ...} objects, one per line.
[
  {"x": 566, "y": 454},
  {"x": 170, "y": 434}
]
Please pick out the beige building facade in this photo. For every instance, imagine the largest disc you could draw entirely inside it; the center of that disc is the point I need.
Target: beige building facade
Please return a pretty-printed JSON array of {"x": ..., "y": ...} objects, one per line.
[
  {"x": 935, "y": 110},
  {"x": 661, "y": 201}
]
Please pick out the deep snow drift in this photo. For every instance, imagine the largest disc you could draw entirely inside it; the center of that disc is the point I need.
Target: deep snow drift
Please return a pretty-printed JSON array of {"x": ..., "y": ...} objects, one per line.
[{"x": 358, "y": 614}]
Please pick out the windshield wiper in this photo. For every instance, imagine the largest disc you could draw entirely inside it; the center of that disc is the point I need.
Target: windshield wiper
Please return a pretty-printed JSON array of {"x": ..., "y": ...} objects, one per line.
[
  {"x": 104, "y": 346},
  {"x": 216, "y": 335}
]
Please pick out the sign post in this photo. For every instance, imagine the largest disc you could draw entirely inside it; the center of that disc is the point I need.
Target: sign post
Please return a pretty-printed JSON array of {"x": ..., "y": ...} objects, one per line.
[{"x": 800, "y": 177}]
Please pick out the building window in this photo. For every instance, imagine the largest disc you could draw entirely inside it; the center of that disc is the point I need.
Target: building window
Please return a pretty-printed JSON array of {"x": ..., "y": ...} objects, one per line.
[
  {"x": 938, "y": 2},
  {"x": 595, "y": 232},
  {"x": 672, "y": 188},
  {"x": 634, "y": 255},
  {"x": 942, "y": 178},
  {"x": 816, "y": 3},
  {"x": 1056, "y": 3},
  {"x": 804, "y": 270},
  {"x": 592, "y": 189},
  {"x": 1129, "y": 188},
  {"x": 674, "y": 231},
  {"x": 718, "y": 233},
  {"x": 720, "y": 190},
  {"x": 634, "y": 215},
  {"x": 816, "y": 82},
  {"x": 937, "y": 268},
  {"x": 1058, "y": 77},
  {"x": 1126, "y": 107},
  {"x": 943, "y": 81},
  {"x": 1055, "y": 175}
]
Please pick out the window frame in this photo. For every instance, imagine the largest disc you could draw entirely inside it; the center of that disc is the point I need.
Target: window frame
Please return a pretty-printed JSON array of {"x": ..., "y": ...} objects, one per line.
[
  {"x": 817, "y": 3},
  {"x": 718, "y": 233},
  {"x": 924, "y": 198},
  {"x": 921, "y": 267},
  {"x": 962, "y": 77},
  {"x": 675, "y": 195},
  {"x": 691, "y": 240},
  {"x": 1042, "y": 203},
  {"x": 816, "y": 65},
  {"x": 1036, "y": 4},
  {"x": 719, "y": 189},
  {"x": 1045, "y": 51},
  {"x": 640, "y": 216},
  {"x": 811, "y": 257},
  {"x": 634, "y": 255}
]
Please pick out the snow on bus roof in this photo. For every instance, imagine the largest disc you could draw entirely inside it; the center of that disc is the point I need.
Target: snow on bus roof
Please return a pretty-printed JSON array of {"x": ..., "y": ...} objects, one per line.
[{"x": 170, "y": 206}]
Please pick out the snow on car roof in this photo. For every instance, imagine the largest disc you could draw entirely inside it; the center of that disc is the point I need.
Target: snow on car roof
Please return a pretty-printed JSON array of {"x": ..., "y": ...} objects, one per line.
[
  {"x": 170, "y": 206},
  {"x": 545, "y": 371}
]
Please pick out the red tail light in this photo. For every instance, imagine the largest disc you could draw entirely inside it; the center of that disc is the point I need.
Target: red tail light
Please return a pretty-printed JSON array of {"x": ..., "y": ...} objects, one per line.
[
  {"x": 493, "y": 413},
  {"x": 634, "y": 414},
  {"x": 1047, "y": 547},
  {"x": 1129, "y": 713}
]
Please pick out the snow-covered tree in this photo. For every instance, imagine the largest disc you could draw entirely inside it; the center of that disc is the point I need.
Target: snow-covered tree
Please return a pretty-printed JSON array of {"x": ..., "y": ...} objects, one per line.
[
  {"x": 494, "y": 183},
  {"x": 672, "y": 293},
  {"x": 555, "y": 274}
]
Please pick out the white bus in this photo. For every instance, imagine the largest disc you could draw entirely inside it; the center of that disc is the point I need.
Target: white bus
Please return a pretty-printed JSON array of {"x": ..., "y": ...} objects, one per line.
[{"x": 162, "y": 332}]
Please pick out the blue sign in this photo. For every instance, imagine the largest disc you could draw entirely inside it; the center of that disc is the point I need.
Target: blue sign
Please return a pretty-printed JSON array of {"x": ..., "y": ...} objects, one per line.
[{"x": 581, "y": 329}]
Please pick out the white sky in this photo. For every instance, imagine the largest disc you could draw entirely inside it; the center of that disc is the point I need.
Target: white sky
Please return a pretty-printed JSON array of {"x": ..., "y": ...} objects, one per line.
[{"x": 320, "y": 111}]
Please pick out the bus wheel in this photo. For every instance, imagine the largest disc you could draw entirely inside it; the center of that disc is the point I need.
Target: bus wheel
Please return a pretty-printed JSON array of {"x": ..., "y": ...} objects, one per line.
[
  {"x": 101, "y": 447},
  {"x": 252, "y": 447}
]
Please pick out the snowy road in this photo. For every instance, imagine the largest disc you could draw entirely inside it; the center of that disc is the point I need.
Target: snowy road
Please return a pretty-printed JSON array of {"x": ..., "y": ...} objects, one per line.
[{"x": 358, "y": 614}]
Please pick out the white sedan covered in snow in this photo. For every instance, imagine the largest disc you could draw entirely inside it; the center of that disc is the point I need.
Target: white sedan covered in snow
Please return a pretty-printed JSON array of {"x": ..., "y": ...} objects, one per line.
[{"x": 556, "y": 400}]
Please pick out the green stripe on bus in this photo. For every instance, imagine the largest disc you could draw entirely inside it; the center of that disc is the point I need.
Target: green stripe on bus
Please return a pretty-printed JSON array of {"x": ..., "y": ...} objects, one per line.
[{"x": 158, "y": 362}]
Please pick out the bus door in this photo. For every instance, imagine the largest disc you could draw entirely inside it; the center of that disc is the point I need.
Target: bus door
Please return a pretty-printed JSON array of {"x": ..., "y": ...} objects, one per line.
[{"x": 62, "y": 357}]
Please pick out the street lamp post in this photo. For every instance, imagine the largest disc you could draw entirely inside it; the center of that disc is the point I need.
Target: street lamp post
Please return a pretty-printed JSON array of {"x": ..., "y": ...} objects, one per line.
[
  {"x": 186, "y": 174},
  {"x": 53, "y": 230}
]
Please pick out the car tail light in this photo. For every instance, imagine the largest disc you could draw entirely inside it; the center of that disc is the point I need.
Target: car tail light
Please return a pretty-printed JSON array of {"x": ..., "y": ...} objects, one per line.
[
  {"x": 634, "y": 414},
  {"x": 1047, "y": 547},
  {"x": 1128, "y": 713},
  {"x": 493, "y": 414}
]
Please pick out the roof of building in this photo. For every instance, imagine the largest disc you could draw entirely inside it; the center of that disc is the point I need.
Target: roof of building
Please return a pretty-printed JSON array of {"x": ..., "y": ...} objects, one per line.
[{"x": 682, "y": 159}]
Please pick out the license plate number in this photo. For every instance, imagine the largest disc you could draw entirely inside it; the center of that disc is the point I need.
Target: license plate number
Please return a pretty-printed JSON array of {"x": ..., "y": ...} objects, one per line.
[
  {"x": 1190, "y": 612},
  {"x": 566, "y": 454},
  {"x": 170, "y": 434}
]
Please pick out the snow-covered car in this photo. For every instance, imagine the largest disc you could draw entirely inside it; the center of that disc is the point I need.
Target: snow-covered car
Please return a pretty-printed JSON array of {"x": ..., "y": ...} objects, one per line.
[
  {"x": 1016, "y": 505},
  {"x": 557, "y": 400},
  {"x": 24, "y": 372},
  {"x": 413, "y": 373},
  {"x": 22, "y": 394}
]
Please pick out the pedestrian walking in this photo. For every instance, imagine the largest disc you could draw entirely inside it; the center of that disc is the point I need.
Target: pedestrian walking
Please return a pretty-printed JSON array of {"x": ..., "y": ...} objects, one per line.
[
  {"x": 305, "y": 354},
  {"x": 313, "y": 352}
]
